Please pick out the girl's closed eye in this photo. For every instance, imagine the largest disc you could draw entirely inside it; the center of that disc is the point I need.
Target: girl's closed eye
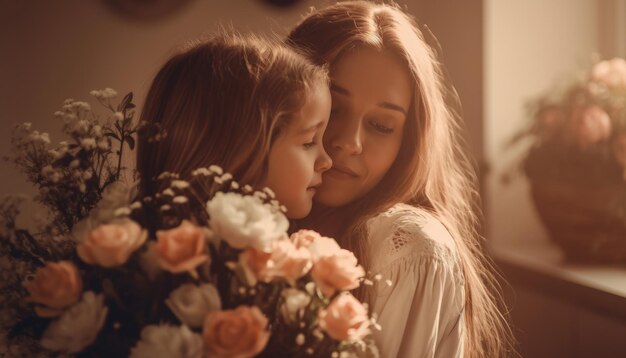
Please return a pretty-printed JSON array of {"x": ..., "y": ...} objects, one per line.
[{"x": 309, "y": 145}]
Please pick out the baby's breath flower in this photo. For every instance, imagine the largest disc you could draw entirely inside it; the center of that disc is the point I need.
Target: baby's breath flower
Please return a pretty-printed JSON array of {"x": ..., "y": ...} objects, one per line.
[
  {"x": 201, "y": 171},
  {"x": 74, "y": 163},
  {"x": 180, "y": 199},
  {"x": 68, "y": 101},
  {"x": 216, "y": 169},
  {"x": 88, "y": 143},
  {"x": 180, "y": 184},
  {"x": 168, "y": 192},
  {"x": 118, "y": 116},
  {"x": 103, "y": 144},
  {"x": 82, "y": 187}
]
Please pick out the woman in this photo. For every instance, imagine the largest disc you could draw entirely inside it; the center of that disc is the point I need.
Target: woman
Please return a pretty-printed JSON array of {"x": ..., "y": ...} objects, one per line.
[{"x": 401, "y": 192}]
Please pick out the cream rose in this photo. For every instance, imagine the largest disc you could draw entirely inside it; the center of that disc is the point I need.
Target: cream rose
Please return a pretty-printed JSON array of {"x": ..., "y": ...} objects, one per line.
[
  {"x": 284, "y": 262},
  {"x": 112, "y": 244},
  {"x": 241, "y": 332},
  {"x": 56, "y": 286},
  {"x": 244, "y": 221},
  {"x": 182, "y": 248},
  {"x": 345, "y": 318},
  {"x": 191, "y": 303},
  {"x": 78, "y": 327},
  {"x": 294, "y": 301},
  {"x": 337, "y": 272},
  {"x": 167, "y": 341}
]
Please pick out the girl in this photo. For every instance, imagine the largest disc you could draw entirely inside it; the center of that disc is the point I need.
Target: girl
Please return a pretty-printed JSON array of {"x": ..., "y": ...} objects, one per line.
[
  {"x": 254, "y": 108},
  {"x": 401, "y": 193}
]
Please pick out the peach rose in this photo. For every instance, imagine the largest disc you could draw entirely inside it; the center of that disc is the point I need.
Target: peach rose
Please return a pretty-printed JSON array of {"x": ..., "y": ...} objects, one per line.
[
  {"x": 285, "y": 261},
  {"x": 591, "y": 125},
  {"x": 304, "y": 238},
  {"x": 241, "y": 332},
  {"x": 612, "y": 73},
  {"x": 182, "y": 248},
  {"x": 56, "y": 286},
  {"x": 337, "y": 272},
  {"x": 112, "y": 244},
  {"x": 345, "y": 318}
]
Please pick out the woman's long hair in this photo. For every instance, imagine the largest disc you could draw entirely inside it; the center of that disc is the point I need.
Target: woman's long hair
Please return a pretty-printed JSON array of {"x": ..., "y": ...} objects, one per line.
[
  {"x": 431, "y": 170},
  {"x": 222, "y": 101}
]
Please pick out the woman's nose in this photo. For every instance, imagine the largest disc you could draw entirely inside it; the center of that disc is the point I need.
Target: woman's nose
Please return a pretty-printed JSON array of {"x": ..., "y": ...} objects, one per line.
[{"x": 347, "y": 137}]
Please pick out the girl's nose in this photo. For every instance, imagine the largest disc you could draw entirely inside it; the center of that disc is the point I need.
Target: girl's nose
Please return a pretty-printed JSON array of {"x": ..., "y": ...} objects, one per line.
[{"x": 324, "y": 162}]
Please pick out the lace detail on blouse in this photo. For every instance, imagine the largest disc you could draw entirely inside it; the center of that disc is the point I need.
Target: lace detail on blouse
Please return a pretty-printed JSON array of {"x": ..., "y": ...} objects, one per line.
[{"x": 407, "y": 232}]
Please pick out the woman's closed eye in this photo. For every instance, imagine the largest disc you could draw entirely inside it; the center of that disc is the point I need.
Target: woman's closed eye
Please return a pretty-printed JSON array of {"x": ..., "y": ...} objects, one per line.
[{"x": 380, "y": 127}]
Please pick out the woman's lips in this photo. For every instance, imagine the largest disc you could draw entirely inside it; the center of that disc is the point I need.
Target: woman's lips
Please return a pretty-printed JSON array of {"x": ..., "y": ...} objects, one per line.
[{"x": 340, "y": 173}]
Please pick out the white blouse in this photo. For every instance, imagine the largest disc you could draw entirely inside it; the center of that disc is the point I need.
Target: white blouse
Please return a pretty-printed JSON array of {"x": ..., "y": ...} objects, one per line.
[{"x": 419, "y": 300}]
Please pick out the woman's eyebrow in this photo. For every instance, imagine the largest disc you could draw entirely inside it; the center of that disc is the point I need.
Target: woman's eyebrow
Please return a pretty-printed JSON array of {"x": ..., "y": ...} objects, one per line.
[{"x": 387, "y": 105}]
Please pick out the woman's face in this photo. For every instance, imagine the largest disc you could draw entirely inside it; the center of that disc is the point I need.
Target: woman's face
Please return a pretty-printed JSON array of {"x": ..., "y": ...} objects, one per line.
[{"x": 371, "y": 95}]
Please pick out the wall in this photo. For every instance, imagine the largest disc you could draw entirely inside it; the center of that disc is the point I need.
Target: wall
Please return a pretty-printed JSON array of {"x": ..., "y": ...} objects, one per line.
[
  {"x": 529, "y": 44},
  {"x": 52, "y": 50}
]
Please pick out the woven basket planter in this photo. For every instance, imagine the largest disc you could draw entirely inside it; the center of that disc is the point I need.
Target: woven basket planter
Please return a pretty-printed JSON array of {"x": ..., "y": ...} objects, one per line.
[{"x": 587, "y": 224}]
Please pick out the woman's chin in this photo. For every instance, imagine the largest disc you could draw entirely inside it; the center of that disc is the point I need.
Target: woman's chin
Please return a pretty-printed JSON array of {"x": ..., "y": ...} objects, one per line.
[{"x": 332, "y": 198}]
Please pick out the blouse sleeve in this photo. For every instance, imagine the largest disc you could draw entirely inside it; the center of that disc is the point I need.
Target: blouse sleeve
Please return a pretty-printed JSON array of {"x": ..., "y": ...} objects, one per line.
[{"x": 419, "y": 302}]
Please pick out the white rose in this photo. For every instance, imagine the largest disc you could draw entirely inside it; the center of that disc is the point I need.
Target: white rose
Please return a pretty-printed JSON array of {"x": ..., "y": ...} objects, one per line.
[
  {"x": 78, "y": 327},
  {"x": 168, "y": 342},
  {"x": 191, "y": 303},
  {"x": 295, "y": 300},
  {"x": 244, "y": 221}
]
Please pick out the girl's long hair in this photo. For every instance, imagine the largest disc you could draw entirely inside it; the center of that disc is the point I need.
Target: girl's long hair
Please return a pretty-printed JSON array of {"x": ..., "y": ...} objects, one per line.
[
  {"x": 222, "y": 101},
  {"x": 431, "y": 170}
]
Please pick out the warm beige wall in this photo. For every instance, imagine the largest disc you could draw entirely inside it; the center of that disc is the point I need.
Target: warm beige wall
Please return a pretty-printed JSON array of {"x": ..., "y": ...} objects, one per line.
[
  {"x": 52, "y": 50},
  {"x": 528, "y": 45}
]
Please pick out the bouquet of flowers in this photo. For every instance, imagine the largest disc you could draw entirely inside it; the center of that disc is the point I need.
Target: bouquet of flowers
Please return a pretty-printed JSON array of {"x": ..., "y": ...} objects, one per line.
[
  {"x": 205, "y": 267},
  {"x": 576, "y": 162}
]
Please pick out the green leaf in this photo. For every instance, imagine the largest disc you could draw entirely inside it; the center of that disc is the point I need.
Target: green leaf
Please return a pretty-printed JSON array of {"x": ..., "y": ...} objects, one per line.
[
  {"x": 125, "y": 102},
  {"x": 131, "y": 142},
  {"x": 112, "y": 135}
]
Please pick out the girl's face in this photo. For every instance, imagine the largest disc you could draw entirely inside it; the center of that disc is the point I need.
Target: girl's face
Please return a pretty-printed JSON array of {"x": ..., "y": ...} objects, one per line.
[
  {"x": 371, "y": 95},
  {"x": 297, "y": 158}
]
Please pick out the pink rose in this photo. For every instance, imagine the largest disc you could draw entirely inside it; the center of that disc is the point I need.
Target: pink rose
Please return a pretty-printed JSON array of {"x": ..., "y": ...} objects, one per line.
[
  {"x": 112, "y": 244},
  {"x": 345, "y": 318},
  {"x": 591, "y": 125},
  {"x": 337, "y": 272},
  {"x": 612, "y": 73},
  {"x": 304, "y": 238},
  {"x": 55, "y": 286},
  {"x": 285, "y": 261},
  {"x": 241, "y": 332},
  {"x": 182, "y": 248}
]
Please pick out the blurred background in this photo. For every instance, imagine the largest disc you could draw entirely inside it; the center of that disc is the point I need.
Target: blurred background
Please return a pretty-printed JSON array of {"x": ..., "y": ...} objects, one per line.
[{"x": 499, "y": 54}]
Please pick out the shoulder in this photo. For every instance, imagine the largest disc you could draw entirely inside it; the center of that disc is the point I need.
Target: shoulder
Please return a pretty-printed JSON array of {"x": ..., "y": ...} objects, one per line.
[{"x": 406, "y": 232}]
